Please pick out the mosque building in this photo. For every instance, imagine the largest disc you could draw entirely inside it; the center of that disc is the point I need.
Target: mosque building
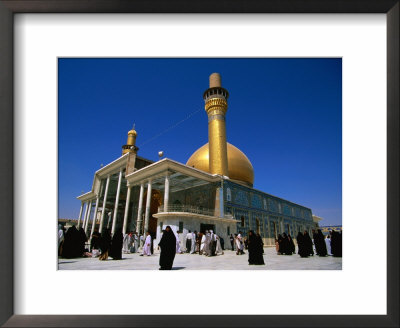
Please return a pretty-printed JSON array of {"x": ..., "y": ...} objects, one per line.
[{"x": 213, "y": 190}]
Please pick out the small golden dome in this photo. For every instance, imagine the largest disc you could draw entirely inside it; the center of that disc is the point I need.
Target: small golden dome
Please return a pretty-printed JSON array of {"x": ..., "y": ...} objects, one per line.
[
  {"x": 132, "y": 132},
  {"x": 239, "y": 166}
]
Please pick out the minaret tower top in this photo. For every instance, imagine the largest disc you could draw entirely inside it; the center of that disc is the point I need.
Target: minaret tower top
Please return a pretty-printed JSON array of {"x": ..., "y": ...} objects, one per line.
[
  {"x": 216, "y": 105},
  {"x": 130, "y": 142}
]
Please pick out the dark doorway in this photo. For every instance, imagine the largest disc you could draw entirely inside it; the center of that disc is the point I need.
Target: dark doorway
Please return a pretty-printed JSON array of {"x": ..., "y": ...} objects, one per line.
[{"x": 204, "y": 227}]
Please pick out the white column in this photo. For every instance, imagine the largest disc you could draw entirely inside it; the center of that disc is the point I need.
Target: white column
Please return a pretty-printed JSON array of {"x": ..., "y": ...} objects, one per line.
[
  {"x": 166, "y": 193},
  {"x": 114, "y": 223},
  {"x": 128, "y": 196},
  {"x": 80, "y": 215},
  {"x": 85, "y": 215},
  {"x": 140, "y": 210},
  {"x": 94, "y": 216},
  {"x": 104, "y": 205},
  {"x": 88, "y": 216},
  {"x": 148, "y": 203}
]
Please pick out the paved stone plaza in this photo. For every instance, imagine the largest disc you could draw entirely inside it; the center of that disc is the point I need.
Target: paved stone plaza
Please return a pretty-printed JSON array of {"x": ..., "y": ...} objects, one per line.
[{"x": 228, "y": 261}]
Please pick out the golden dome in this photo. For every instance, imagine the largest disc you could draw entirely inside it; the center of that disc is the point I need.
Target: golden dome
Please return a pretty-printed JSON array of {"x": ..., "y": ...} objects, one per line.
[{"x": 239, "y": 166}]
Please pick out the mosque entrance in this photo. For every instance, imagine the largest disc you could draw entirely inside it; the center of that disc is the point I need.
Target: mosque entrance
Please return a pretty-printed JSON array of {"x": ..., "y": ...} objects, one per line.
[{"x": 204, "y": 227}]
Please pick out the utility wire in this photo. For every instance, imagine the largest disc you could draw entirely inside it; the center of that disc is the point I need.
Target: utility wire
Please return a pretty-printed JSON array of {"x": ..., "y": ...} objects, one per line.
[{"x": 170, "y": 128}]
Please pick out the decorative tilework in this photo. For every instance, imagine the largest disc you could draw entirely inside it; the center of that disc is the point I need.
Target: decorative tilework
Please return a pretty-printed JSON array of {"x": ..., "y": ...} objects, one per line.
[
  {"x": 256, "y": 201},
  {"x": 286, "y": 210},
  {"x": 273, "y": 205},
  {"x": 241, "y": 197}
]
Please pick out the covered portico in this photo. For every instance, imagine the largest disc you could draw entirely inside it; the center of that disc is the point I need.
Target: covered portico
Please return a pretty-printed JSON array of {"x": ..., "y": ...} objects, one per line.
[{"x": 186, "y": 198}]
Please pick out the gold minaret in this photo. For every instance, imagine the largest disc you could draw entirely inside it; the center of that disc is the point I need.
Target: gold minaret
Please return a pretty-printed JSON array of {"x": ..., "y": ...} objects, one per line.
[
  {"x": 130, "y": 142},
  {"x": 215, "y": 98}
]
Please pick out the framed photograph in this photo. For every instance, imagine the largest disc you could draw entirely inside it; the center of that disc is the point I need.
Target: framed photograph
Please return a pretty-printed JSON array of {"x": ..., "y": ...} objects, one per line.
[{"x": 76, "y": 76}]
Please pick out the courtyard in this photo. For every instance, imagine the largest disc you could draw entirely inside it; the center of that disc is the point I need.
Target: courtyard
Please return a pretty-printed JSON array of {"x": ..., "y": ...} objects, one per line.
[{"x": 228, "y": 261}]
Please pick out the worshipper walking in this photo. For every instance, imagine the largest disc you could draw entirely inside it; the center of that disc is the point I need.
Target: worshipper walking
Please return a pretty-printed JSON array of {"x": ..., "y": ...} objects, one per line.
[
  {"x": 105, "y": 242},
  {"x": 218, "y": 248},
  {"x": 285, "y": 247},
  {"x": 193, "y": 244},
  {"x": 127, "y": 243},
  {"x": 116, "y": 245},
  {"x": 336, "y": 243},
  {"x": 71, "y": 245},
  {"x": 213, "y": 243},
  {"x": 302, "y": 251},
  {"x": 280, "y": 245},
  {"x": 239, "y": 245},
  {"x": 231, "y": 239},
  {"x": 319, "y": 242},
  {"x": 291, "y": 244},
  {"x": 168, "y": 249},
  {"x": 202, "y": 242},
  {"x": 328, "y": 245},
  {"x": 255, "y": 249},
  {"x": 207, "y": 240},
  {"x": 147, "y": 245},
  {"x": 308, "y": 244},
  {"x": 95, "y": 240},
  {"x": 221, "y": 240},
  {"x": 188, "y": 241},
  {"x": 60, "y": 238}
]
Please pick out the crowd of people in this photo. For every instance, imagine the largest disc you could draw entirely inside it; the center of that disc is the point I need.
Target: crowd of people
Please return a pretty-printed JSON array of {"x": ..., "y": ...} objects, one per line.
[
  {"x": 72, "y": 244},
  {"x": 330, "y": 245}
]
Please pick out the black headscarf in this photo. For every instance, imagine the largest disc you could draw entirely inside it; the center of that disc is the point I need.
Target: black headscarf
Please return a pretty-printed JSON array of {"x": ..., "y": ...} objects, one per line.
[{"x": 168, "y": 249}]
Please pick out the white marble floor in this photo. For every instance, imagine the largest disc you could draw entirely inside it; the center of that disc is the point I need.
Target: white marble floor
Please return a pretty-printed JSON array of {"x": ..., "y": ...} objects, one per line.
[{"x": 228, "y": 261}]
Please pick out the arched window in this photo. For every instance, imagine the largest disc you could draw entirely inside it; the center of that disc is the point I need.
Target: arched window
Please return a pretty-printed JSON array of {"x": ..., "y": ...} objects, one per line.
[{"x": 228, "y": 194}]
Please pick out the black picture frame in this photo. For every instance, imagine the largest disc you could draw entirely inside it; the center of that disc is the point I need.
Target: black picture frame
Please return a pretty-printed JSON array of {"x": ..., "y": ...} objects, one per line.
[{"x": 10, "y": 7}]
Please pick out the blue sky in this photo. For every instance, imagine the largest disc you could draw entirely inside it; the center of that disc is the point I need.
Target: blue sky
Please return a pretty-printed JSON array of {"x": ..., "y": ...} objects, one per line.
[{"x": 284, "y": 114}]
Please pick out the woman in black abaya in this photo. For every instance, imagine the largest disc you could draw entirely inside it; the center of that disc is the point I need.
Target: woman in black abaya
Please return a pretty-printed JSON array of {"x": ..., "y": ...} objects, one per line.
[
  {"x": 168, "y": 249},
  {"x": 116, "y": 245},
  {"x": 308, "y": 245},
  {"x": 286, "y": 248},
  {"x": 300, "y": 243},
  {"x": 291, "y": 243},
  {"x": 320, "y": 245},
  {"x": 255, "y": 249},
  {"x": 105, "y": 242},
  {"x": 71, "y": 244}
]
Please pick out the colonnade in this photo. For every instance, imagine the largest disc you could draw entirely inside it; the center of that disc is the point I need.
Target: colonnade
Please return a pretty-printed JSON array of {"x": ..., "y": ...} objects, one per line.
[{"x": 139, "y": 223}]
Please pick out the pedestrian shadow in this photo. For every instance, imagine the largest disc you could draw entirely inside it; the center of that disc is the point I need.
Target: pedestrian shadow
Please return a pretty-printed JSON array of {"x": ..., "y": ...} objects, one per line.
[
  {"x": 178, "y": 268},
  {"x": 66, "y": 262}
]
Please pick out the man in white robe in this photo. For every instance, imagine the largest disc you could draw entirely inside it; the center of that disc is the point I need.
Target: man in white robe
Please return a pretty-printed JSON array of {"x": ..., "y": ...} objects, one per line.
[
  {"x": 202, "y": 243},
  {"x": 188, "y": 243},
  {"x": 193, "y": 245},
  {"x": 126, "y": 244},
  {"x": 135, "y": 243},
  {"x": 178, "y": 245},
  {"x": 218, "y": 249},
  {"x": 328, "y": 245},
  {"x": 206, "y": 250},
  {"x": 147, "y": 245}
]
